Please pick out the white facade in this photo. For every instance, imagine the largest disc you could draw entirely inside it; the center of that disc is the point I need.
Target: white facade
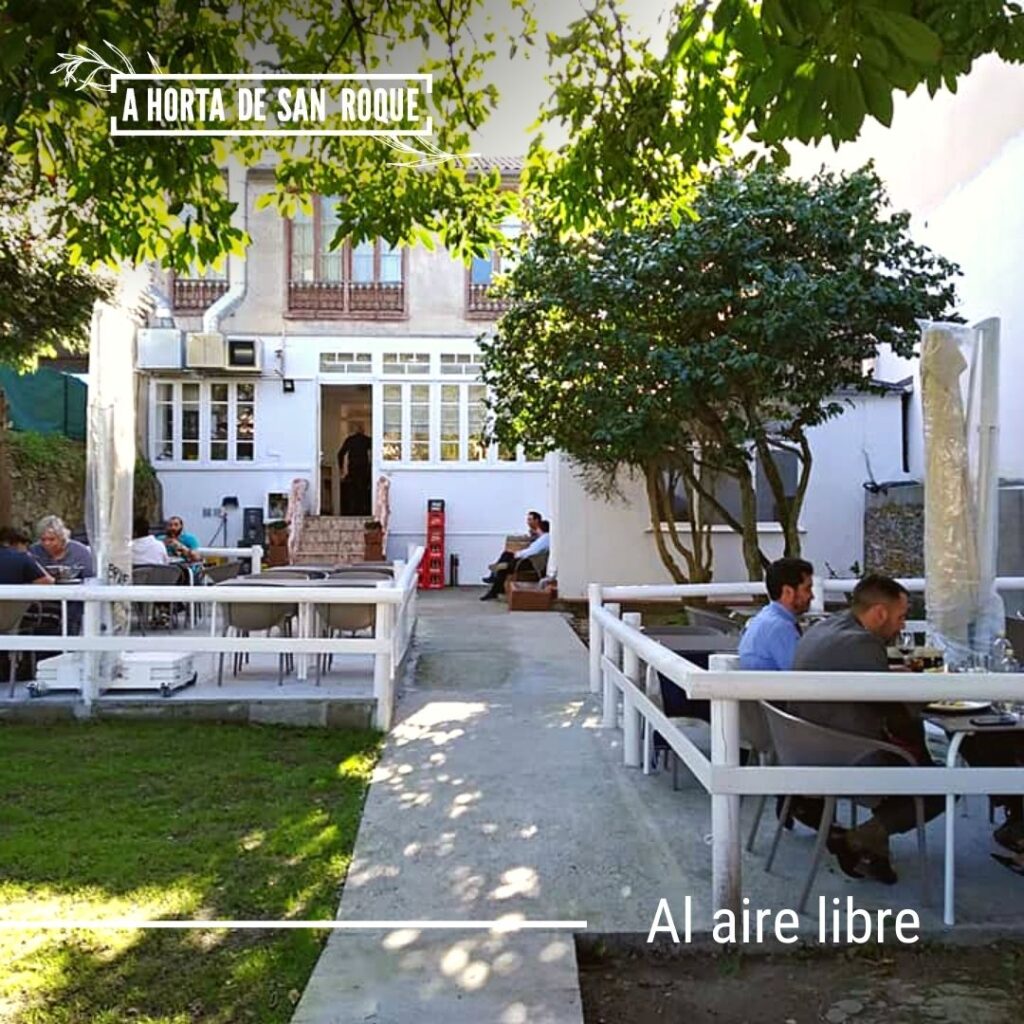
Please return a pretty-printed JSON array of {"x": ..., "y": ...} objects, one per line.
[
  {"x": 611, "y": 542},
  {"x": 409, "y": 375}
]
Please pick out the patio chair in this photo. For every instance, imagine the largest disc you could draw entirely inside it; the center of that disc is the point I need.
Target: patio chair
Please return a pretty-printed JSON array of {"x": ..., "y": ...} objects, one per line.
[
  {"x": 11, "y": 614},
  {"x": 291, "y": 572},
  {"x": 343, "y": 618},
  {"x": 219, "y": 573},
  {"x": 799, "y": 742},
  {"x": 175, "y": 575},
  {"x": 245, "y": 619},
  {"x": 528, "y": 570}
]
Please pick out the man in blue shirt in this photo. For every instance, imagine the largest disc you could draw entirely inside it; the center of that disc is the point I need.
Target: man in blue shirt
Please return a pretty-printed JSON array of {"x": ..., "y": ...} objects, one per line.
[{"x": 769, "y": 642}]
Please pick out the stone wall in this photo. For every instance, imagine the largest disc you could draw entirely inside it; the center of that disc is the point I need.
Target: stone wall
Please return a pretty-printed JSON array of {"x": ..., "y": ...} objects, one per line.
[
  {"x": 894, "y": 530},
  {"x": 48, "y": 478}
]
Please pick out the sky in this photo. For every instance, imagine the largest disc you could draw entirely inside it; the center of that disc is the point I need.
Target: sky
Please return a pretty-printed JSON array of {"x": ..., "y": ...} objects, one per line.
[{"x": 933, "y": 144}]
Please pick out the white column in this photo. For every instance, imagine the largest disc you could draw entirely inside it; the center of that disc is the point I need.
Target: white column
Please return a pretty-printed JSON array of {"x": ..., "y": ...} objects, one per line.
[
  {"x": 726, "y": 876},
  {"x": 596, "y": 638},
  {"x": 611, "y": 648},
  {"x": 631, "y": 739}
]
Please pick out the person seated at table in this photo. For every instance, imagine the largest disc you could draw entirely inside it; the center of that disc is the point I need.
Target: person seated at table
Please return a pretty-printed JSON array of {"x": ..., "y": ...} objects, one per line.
[
  {"x": 855, "y": 641},
  {"x": 1000, "y": 750},
  {"x": 538, "y": 546},
  {"x": 16, "y": 564},
  {"x": 533, "y": 521},
  {"x": 146, "y": 549},
  {"x": 179, "y": 543},
  {"x": 56, "y": 548},
  {"x": 769, "y": 640}
]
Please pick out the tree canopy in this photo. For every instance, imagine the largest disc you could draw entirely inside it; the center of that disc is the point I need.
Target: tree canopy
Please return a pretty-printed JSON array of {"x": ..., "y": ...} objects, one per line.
[
  {"x": 702, "y": 351},
  {"x": 137, "y": 198},
  {"x": 641, "y": 122}
]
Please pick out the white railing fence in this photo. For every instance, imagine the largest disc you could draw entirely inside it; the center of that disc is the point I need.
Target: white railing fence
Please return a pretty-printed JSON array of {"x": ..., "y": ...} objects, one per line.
[
  {"x": 623, "y": 662},
  {"x": 395, "y": 622}
]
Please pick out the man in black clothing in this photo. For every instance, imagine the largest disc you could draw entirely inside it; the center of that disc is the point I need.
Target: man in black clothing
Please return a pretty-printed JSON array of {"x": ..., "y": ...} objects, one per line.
[
  {"x": 16, "y": 565},
  {"x": 354, "y": 464}
]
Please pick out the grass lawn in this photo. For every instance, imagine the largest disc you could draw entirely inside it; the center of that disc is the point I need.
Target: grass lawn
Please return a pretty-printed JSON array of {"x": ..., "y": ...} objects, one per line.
[{"x": 164, "y": 820}]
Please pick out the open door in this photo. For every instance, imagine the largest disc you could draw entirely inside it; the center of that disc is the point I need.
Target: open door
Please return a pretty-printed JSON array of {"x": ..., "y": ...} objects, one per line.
[{"x": 346, "y": 447}]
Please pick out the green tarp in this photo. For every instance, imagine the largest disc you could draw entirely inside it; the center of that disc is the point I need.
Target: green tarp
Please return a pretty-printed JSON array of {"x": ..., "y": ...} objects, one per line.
[{"x": 46, "y": 401}]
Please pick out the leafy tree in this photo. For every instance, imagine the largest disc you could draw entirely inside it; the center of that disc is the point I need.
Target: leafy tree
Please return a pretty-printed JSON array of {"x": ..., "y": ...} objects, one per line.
[
  {"x": 769, "y": 71},
  {"x": 682, "y": 352},
  {"x": 126, "y": 198}
]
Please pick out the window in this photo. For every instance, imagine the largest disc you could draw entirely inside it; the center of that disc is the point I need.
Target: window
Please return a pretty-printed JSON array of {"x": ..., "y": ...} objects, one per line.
[
  {"x": 196, "y": 290},
  {"x": 346, "y": 362},
  {"x": 726, "y": 490},
  {"x": 439, "y": 422},
  {"x": 203, "y": 422},
  {"x": 460, "y": 363},
  {"x": 364, "y": 280},
  {"x": 480, "y": 302},
  {"x": 406, "y": 362}
]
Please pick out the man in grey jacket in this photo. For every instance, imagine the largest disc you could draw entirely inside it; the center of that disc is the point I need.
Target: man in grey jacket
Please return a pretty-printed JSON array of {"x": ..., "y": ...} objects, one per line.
[{"x": 855, "y": 641}]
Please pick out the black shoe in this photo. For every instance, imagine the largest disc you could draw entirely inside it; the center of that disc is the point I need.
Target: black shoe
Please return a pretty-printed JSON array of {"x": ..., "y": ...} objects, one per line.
[
  {"x": 489, "y": 596},
  {"x": 850, "y": 862},
  {"x": 881, "y": 869},
  {"x": 1015, "y": 864},
  {"x": 489, "y": 579}
]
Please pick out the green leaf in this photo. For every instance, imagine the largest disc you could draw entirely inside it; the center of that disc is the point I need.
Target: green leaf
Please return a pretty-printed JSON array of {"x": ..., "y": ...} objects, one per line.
[
  {"x": 915, "y": 40},
  {"x": 848, "y": 105},
  {"x": 877, "y": 94}
]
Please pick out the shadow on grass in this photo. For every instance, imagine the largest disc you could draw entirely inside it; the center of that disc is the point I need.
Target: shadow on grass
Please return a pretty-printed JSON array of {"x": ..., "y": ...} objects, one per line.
[{"x": 151, "y": 819}]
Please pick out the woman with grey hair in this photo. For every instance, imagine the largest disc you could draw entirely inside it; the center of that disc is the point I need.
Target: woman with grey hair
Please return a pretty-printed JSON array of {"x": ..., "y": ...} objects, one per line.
[{"x": 56, "y": 548}]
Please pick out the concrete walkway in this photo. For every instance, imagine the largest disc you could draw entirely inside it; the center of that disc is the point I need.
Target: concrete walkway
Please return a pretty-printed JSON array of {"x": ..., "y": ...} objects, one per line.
[
  {"x": 493, "y": 800},
  {"x": 499, "y": 796}
]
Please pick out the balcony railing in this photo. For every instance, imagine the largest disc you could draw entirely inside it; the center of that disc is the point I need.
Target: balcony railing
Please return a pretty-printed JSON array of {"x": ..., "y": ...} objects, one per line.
[
  {"x": 338, "y": 298},
  {"x": 482, "y": 301},
  {"x": 197, "y": 293}
]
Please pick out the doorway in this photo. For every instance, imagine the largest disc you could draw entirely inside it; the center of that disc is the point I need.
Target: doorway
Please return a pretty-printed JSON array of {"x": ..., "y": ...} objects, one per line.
[{"x": 344, "y": 408}]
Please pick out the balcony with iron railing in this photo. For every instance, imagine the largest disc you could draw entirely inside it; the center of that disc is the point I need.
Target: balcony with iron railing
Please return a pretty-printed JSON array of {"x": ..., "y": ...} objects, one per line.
[
  {"x": 483, "y": 303},
  {"x": 371, "y": 299},
  {"x": 197, "y": 294}
]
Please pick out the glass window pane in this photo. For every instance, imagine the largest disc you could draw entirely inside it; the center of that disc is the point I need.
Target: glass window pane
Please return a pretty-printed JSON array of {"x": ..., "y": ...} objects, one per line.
[
  {"x": 219, "y": 451},
  {"x": 164, "y": 430},
  {"x": 219, "y": 392},
  {"x": 244, "y": 451},
  {"x": 391, "y": 440},
  {"x": 481, "y": 270},
  {"x": 190, "y": 451},
  {"x": 246, "y": 392},
  {"x": 419, "y": 414},
  {"x": 362, "y": 263},
  {"x": 302, "y": 250},
  {"x": 477, "y": 417},
  {"x": 449, "y": 423},
  {"x": 787, "y": 464},
  {"x": 165, "y": 392},
  {"x": 390, "y": 264}
]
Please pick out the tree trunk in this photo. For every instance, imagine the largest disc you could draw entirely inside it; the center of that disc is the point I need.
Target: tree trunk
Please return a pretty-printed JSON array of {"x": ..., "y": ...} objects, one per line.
[
  {"x": 753, "y": 557},
  {"x": 5, "y": 466}
]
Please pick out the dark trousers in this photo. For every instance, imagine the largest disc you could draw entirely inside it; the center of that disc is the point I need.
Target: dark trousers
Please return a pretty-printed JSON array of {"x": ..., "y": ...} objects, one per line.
[
  {"x": 508, "y": 563},
  {"x": 998, "y": 750}
]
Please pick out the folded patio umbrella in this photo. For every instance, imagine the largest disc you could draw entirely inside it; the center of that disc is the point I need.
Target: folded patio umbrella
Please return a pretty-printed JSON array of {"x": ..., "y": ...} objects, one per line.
[{"x": 950, "y": 545}]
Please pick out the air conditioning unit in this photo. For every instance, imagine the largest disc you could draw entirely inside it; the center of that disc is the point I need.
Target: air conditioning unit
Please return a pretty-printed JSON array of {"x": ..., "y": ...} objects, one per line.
[
  {"x": 244, "y": 354},
  {"x": 205, "y": 351},
  {"x": 159, "y": 348}
]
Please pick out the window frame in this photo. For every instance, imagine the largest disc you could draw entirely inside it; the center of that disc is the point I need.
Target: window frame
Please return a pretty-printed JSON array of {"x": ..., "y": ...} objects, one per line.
[
  {"x": 344, "y": 287},
  {"x": 205, "y": 440},
  {"x": 480, "y": 306},
  {"x": 763, "y": 525}
]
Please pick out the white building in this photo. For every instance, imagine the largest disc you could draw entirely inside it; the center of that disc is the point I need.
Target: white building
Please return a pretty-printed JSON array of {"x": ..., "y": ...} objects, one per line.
[{"x": 317, "y": 342}]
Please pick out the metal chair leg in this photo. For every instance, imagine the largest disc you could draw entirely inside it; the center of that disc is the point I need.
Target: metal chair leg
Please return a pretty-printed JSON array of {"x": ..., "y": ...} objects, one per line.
[
  {"x": 827, "y": 814},
  {"x": 12, "y": 657},
  {"x": 783, "y": 817},
  {"x": 763, "y": 758}
]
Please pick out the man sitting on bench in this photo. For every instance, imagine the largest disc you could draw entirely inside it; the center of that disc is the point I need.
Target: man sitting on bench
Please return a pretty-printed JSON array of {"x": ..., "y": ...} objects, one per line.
[{"x": 541, "y": 544}]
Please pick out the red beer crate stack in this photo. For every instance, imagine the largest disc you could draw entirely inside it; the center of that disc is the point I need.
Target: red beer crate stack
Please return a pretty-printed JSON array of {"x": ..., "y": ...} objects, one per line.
[{"x": 432, "y": 566}]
